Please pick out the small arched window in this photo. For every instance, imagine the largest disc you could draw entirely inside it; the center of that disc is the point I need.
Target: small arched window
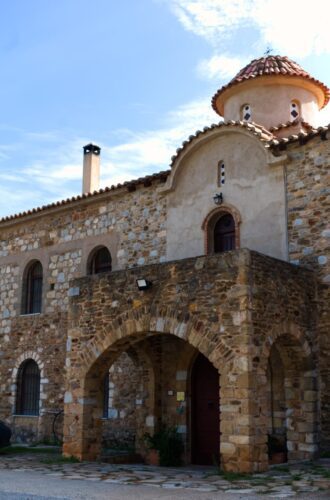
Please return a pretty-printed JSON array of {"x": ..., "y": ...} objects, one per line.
[
  {"x": 28, "y": 388},
  {"x": 246, "y": 113},
  {"x": 221, "y": 173},
  {"x": 224, "y": 234},
  {"x": 100, "y": 261},
  {"x": 294, "y": 110},
  {"x": 32, "y": 289}
]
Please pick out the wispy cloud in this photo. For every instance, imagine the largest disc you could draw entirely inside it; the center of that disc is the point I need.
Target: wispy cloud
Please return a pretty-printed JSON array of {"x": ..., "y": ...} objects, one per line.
[
  {"x": 294, "y": 27},
  {"x": 58, "y": 173},
  {"x": 145, "y": 152},
  {"x": 221, "y": 67}
]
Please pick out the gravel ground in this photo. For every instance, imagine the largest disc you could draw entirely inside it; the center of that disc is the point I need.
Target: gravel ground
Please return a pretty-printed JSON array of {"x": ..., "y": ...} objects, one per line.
[
  {"x": 36, "y": 486},
  {"x": 40, "y": 476}
]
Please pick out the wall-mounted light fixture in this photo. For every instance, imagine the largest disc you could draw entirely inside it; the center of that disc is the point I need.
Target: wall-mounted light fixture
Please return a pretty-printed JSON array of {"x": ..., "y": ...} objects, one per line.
[
  {"x": 143, "y": 284},
  {"x": 218, "y": 198}
]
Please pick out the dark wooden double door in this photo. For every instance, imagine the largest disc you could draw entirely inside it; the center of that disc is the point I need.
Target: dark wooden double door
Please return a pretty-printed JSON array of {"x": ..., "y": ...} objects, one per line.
[{"x": 205, "y": 413}]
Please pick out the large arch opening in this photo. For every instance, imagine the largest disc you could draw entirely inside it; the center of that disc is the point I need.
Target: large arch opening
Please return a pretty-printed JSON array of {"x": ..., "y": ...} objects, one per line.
[
  {"x": 142, "y": 384},
  {"x": 292, "y": 427}
]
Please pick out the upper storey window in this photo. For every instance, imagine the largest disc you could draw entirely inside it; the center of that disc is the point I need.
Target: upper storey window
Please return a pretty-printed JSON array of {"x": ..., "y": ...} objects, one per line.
[
  {"x": 246, "y": 113},
  {"x": 100, "y": 261},
  {"x": 294, "y": 110},
  {"x": 32, "y": 289},
  {"x": 224, "y": 234}
]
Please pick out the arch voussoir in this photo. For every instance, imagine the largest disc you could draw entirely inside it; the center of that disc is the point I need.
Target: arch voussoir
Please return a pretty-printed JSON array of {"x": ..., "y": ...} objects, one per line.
[
  {"x": 291, "y": 330},
  {"x": 168, "y": 320}
]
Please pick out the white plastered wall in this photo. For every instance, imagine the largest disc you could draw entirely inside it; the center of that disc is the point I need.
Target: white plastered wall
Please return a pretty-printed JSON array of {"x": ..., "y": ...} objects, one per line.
[{"x": 255, "y": 188}]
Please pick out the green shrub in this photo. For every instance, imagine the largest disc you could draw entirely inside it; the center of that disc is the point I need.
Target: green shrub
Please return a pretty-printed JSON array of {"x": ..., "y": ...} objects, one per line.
[{"x": 169, "y": 444}]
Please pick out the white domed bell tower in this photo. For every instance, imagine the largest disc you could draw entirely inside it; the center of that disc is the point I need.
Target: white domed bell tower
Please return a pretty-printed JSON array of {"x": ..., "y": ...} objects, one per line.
[{"x": 274, "y": 92}]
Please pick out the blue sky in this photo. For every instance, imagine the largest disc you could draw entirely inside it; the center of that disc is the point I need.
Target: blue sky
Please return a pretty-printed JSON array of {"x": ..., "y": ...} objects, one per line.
[{"x": 135, "y": 77}]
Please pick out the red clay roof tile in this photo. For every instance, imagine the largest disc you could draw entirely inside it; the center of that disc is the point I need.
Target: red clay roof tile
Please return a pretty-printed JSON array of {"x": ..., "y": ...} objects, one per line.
[
  {"x": 145, "y": 181},
  {"x": 270, "y": 65}
]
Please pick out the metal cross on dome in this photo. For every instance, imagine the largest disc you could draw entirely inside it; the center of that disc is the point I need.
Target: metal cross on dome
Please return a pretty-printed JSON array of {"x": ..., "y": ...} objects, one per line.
[{"x": 268, "y": 51}]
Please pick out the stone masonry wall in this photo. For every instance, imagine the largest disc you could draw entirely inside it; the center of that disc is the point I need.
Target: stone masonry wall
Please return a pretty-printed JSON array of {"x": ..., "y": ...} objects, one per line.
[
  {"x": 284, "y": 316},
  {"x": 41, "y": 338},
  {"x": 217, "y": 305},
  {"x": 308, "y": 193},
  {"x": 130, "y": 223},
  {"x": 125, "y": 394}
]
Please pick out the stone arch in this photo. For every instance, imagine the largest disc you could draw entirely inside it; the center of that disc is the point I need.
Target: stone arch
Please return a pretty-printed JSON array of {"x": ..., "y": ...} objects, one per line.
[
  {"x": 285, "y": 329},
  {"x": 43, "y": 381},
  {"x": 133, "y": 325},
  {"x": 210, "y": 221},
  {"x": 296, "y": 385},
  {"x": 83, "y": 397}
]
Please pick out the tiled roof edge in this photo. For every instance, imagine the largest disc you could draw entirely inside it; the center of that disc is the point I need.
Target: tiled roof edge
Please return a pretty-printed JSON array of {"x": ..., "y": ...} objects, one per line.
[
  {"x": 129, "y": 185},
  {"x": 292, "y": 123},
  {"x": 302, "y": 138},
  {"x": 272, "y": 65},
  {"x": 257, "y": 130}
]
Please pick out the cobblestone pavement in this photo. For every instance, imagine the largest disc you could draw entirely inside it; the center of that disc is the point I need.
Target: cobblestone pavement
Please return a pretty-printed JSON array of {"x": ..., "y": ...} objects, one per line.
[{"x": 304, "y": 480}]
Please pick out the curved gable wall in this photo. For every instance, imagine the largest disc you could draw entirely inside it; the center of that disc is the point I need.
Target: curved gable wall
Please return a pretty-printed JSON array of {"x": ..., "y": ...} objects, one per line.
[{"x": 253, "y": 187}]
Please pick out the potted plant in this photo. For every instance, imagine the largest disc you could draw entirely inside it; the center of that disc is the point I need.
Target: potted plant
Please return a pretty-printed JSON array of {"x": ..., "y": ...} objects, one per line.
[
  {"x": 165, "y": 447},
  {"x": 277, "y": 450}
]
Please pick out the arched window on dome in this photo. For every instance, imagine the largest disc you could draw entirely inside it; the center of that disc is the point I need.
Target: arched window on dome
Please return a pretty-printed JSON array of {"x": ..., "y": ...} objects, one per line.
[
  {"x": 294, "y": 109},
  {"x": 246, "y": 113},
  {"x": 99, "y": 261},
  {"x": 224, "y": 233}
]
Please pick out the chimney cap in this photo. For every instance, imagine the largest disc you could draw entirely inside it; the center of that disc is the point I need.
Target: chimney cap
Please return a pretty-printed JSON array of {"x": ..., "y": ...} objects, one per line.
[{"x": 92, "y": 148}]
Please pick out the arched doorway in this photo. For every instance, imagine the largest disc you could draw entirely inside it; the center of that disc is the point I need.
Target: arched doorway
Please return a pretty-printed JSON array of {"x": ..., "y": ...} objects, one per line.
[
  {"x": 292, "y": 395},
  {"x": 224, "y": 234},
  {"x": 205, "y": 438},
  {"x": 147, "y": 391}
]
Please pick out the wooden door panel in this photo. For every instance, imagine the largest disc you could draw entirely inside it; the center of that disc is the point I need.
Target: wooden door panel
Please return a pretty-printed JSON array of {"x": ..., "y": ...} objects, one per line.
[{"x": 205, "y": 412}]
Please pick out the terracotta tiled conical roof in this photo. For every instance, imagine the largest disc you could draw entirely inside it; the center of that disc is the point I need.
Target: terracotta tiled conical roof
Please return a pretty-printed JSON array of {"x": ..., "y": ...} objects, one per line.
[{"x": 271, "y": 66}]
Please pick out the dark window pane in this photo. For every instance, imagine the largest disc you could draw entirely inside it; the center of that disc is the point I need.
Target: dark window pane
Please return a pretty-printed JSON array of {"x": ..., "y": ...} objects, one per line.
[
  {"x": 224, "y": 234},
  {"x": 32, "y": 290},
  {"x": 28, "y": 389},
  {"x": 101, "y": 261}
]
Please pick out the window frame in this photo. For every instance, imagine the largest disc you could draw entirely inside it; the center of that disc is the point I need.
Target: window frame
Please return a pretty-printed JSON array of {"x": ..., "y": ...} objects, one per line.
[
  {"x": 32, "y": 289},
  {"x": 298, "y": 109},
  {"x": 91, "y": 263},
  {"x": 28, "y": 389},
  {"x": 209, "y": 225},
  {"x": 243, "y": 111}
]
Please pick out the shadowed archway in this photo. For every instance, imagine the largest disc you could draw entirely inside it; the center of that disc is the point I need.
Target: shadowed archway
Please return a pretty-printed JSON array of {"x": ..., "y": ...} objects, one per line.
[{"x": 165, "y": 360}]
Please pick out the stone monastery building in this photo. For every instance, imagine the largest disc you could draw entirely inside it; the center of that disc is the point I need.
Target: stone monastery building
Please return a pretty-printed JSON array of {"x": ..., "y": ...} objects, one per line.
[{"x": 197, "y": 297}]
